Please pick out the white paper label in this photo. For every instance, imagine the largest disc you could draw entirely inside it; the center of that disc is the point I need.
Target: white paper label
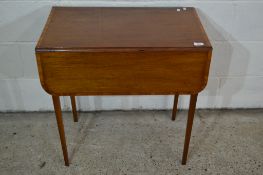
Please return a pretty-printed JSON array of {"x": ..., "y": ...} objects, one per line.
[{"x": 198, "y": 44}]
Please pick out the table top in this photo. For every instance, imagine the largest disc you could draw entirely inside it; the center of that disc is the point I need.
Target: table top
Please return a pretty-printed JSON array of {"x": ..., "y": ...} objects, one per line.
[{"x": 122, "y": 28}]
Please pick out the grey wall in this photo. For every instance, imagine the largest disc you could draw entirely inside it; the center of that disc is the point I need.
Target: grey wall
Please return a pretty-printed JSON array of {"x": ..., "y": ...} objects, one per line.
[{"x": 234, "y": 27}]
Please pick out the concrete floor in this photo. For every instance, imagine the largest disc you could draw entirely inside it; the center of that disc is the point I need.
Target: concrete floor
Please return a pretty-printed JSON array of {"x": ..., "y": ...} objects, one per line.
[{"x": 135, "y": 142}]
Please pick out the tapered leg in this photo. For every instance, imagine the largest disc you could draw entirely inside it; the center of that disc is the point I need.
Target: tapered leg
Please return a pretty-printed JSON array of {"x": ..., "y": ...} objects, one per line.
[
  {"x": 189, "y": 125},
  {"x": 175, "y": 106},
  {"x": 57, "y": 108},
  {"x": 74, "y": 108}
]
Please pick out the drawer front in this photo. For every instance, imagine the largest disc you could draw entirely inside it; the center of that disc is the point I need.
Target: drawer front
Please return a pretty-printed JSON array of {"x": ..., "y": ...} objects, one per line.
[{"x": 118, "y": 73}]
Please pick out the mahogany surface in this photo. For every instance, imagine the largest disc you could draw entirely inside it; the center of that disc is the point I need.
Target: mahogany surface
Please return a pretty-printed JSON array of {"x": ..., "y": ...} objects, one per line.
[
  {"x": 123, "y": 51},
  {"x": 115, "y": 28}
]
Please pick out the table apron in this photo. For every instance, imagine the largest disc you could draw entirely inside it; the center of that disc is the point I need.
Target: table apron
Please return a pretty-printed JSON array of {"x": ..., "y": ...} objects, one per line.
[{"x": 123, "y": 73}]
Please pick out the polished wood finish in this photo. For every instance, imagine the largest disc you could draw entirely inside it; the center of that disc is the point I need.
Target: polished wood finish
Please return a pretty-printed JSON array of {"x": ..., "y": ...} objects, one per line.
[
  {"x": 144, "y": 73},
  {"x": 57, "y": 107},
  {"x": 189, "y": 125},
  {"x": 123, "y": 51},
  {"x": 74, "y": 108},
  {"x": 92, "y": 48},
  {"x": 176, "y": 96},
  {"x": 101, "y": 29}
]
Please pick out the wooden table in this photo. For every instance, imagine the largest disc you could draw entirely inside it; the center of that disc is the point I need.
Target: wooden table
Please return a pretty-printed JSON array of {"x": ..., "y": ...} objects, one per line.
[{"x": 123, "y": 51}]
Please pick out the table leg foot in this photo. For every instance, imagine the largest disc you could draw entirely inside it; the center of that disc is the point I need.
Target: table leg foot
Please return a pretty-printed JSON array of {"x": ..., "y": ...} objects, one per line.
[
  {"x": 175, "y": 106},
  {"x": 57, "y": 107},
  {"x": 74, "y": 108},
  {"x": 189, "y": 125}
]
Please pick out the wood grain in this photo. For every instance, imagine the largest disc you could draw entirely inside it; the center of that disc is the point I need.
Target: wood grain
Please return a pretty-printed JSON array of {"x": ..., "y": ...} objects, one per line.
[
  {"x": 57, "y": 107},
  {"x": 123, "y": 51},
  {"x": 100, "y": 29},
  {"x": 189, "y": 126},
  {"x": 123, "y": 73}
]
